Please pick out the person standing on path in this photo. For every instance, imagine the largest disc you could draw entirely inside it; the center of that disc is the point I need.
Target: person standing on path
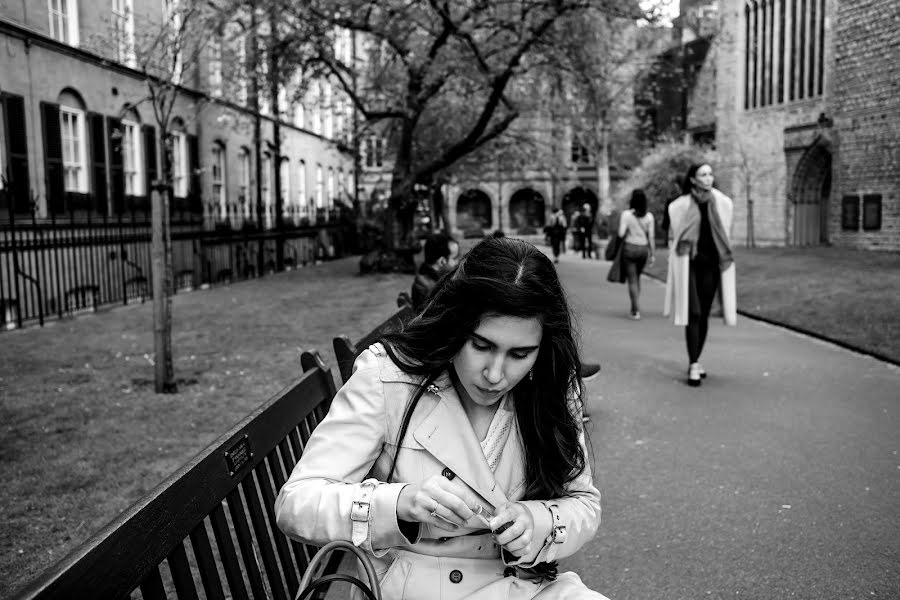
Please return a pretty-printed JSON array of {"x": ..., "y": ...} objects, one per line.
[
  {"x": 700, "y": 262},
  {"x": 556, "y": 231},
  {"x": 585, "y": 226},
  {"x": 636, "y": 228}
]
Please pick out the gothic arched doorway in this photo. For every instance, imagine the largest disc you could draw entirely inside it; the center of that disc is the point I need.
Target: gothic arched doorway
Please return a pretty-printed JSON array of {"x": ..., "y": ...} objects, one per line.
[
  {"x": 473, "y": 210},
  {"x": 576, "y": 198},
  {"x": 811, "y": 197},
  {"x": 526, "y": 209}
]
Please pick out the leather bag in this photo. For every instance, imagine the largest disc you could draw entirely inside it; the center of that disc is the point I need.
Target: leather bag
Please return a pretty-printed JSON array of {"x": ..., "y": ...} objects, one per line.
[{"x": 372, "y": 591}]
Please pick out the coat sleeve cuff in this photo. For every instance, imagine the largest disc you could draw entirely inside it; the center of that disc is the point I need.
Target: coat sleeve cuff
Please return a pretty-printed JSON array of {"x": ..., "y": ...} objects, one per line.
[
  {"x": 384, "y": 528},
  {"x": 543, "y": 526}
]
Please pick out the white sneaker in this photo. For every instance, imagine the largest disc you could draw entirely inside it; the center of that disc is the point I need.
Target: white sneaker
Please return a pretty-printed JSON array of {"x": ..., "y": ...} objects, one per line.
[
  {"x": 702, "y": 371},
  {"x": 694, "y": 379}
]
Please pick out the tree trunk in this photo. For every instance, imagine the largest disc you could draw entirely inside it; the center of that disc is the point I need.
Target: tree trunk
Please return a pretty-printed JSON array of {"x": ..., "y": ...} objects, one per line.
[
  {"x": 161, "y": 251},
  {"x": 604, "y": 201}
]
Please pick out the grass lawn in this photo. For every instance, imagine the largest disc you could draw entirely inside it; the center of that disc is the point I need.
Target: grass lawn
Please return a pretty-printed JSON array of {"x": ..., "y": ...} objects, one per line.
[
  {"x": 849, "y": 296},
  {"x": 83, "y": 434}
]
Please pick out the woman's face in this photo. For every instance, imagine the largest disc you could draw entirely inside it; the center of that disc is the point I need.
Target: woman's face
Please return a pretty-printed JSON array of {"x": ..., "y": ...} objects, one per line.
[
  {"x": 496, "y": 357},
  {"x": 703, "y": 178}
]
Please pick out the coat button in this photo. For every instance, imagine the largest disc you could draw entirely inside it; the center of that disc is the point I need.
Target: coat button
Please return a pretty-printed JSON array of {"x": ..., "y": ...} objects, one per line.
[
  {"x": 509, "y": 572},
  {"x": 448, "y": 473},
  {"x": 455, "y": 576}
]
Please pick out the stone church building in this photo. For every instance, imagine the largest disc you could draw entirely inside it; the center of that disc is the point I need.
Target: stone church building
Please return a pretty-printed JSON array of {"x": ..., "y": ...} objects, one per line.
[{"x": 806, "y": 116}]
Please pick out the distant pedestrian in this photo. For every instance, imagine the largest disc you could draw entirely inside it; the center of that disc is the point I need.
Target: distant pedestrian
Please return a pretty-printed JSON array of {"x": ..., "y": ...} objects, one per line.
[
  {"x": 556, "y": 231},
  {"x": 700, "y": 262},
  {"x": 636, "y": 228},
  {"x": 441, "y": 255},
  {"x": 577, "y": 237},
  {"x": 585, "y": 225}
]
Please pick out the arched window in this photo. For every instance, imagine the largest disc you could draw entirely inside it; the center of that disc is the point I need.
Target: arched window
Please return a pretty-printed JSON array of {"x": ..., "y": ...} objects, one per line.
[
  {"x": 74, "y": 142},
  {"x": 132, "y": 154},
  {"x": 219, "y": 190}
]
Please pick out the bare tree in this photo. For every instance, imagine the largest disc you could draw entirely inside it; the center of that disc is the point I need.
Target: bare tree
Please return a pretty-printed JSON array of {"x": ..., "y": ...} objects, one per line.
[
  {"x": 420, "y": 64},
  {"x": 596, "y": 60},
  {"x": 166, "y": 52}
]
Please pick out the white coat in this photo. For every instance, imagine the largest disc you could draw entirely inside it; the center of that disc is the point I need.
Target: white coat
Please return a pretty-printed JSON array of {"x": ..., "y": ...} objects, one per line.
[
  {"x": 676, "y": 300},
  {"x": 357, "y": 440}
]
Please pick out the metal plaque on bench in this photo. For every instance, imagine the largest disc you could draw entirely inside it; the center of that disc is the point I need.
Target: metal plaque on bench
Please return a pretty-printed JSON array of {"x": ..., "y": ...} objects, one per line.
[{"x": 238, "y": 455}]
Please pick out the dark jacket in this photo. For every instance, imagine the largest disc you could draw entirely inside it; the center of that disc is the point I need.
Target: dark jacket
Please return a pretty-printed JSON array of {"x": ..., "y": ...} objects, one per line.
[{"x": 422, "y": 285}]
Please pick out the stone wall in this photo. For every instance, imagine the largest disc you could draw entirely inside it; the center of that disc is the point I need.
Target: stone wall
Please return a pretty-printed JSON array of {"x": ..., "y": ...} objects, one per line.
[{"x": 867, "y": 117}]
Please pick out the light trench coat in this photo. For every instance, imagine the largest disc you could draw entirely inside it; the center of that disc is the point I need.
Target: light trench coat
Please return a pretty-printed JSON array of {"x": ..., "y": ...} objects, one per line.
[
  {"x": 676, "y": 300},
  {"x": 351, "y": 451}
]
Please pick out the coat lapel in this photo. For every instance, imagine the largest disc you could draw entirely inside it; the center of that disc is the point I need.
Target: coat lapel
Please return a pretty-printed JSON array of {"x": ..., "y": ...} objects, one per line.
[{"x": 447, "y": 434}]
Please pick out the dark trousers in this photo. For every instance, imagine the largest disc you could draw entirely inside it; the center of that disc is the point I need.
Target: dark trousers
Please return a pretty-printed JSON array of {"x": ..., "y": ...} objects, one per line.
[
  {"x": 587, "y": 246},
  {"x": 556, "y": 243},
  {"x": 703, "y": 284},
  {"x": 634, "y": 258}
]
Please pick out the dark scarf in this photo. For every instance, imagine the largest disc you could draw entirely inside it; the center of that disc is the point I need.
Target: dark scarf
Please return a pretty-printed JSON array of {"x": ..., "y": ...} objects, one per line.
[{"x": 686, "y": 241}]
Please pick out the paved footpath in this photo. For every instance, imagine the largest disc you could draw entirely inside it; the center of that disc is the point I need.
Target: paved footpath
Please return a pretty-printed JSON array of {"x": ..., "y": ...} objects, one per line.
[{"x": 779, "y": 478}]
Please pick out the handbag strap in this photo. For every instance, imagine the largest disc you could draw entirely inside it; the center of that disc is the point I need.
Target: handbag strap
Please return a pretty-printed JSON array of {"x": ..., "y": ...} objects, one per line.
[
  {"x": 335, "y": 577},
  {"x": 374, "y": 589}
]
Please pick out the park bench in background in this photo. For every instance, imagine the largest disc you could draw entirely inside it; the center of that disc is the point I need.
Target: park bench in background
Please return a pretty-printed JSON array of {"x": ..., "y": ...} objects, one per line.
[
  {"x": 160, "y": 547},
  {"x": 345, "y": 351}
]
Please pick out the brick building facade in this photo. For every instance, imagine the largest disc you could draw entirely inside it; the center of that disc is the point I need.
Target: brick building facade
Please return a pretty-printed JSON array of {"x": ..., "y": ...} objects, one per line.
[
  {"x": 808, "y": 117},
  {"x": 77, "y": 135}
]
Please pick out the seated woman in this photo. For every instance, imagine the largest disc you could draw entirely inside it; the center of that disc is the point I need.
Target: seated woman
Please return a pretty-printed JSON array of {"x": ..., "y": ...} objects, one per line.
[{"x": 454, "y": 455}]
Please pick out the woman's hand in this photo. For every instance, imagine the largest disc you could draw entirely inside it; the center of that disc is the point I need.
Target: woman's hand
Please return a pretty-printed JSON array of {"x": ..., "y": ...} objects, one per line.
[
  {"x": 438, "y": 501},
  {"x": 517, "y": 538}
]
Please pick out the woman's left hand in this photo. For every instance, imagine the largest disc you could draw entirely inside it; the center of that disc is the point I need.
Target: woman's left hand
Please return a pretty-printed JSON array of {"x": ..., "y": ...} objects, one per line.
[{"x": 518, "y": 535}]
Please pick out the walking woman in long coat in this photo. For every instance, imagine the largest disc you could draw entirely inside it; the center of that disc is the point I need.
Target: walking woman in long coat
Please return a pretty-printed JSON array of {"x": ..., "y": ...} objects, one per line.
[
  {"x": 455, "y": 453},
  {"x": 700, "y": 262}
]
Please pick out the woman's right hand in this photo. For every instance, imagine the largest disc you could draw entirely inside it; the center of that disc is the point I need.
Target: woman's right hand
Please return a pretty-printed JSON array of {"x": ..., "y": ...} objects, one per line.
[{"x": 438, "y": 501}]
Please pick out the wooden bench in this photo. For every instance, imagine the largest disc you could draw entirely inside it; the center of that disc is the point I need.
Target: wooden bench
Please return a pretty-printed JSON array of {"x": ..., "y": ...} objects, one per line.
[
  {"x": 345, "y": 351},
  {"x": 161, "y": 547}
]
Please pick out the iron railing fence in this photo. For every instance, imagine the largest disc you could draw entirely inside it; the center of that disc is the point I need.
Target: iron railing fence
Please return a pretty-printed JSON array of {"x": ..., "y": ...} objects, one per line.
[{"x": 60, "y": 265}]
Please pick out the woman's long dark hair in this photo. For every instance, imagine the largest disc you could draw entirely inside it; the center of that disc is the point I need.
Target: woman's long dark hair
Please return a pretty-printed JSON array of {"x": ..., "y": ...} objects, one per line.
[
  {"x": 687, "y": 185},
  {"x": 508, "y": 277},
  {"x": 638, "y": 203}
]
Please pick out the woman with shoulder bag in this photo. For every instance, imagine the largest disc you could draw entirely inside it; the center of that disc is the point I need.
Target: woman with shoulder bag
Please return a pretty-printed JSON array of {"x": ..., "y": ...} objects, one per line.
[
  {"x": 455, "y": 454},
  {"x": 636, "y": 228}
]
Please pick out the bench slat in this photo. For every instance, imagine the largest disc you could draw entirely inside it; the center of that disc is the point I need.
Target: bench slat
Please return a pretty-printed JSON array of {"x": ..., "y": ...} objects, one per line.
[
  {"x": 278, "y": 475},
  {"x": 181, "y": 574},
  {"x": 265, "y": 479},
  {"x": 263, "y": 540},
  {"x": 227, "y": 553},
  {"x": 206, "y": 563},
  {"x": 152, "y": 586},
  {"x": 245, "y": 541}
]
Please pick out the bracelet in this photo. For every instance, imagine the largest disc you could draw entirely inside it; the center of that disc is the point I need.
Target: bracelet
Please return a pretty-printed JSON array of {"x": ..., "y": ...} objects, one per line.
[{"x": 558, "y": 530}]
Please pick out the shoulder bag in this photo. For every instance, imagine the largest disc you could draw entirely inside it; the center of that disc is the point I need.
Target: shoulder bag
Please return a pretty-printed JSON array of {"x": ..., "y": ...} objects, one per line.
[{"x": 372, "y": 591}]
